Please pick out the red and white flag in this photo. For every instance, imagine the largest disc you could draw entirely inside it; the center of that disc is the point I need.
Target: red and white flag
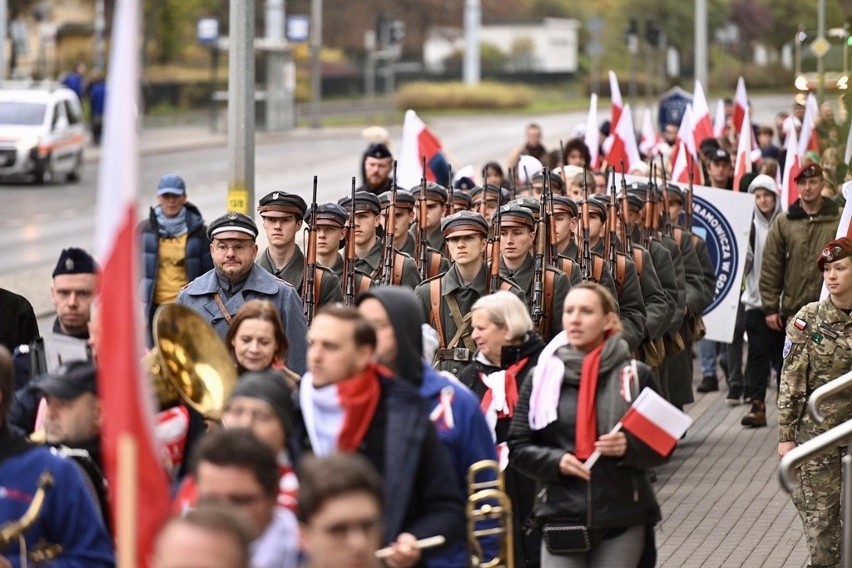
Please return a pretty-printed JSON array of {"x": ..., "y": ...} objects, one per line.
[
  {"x": 617, "y": 103},
  {"x": 719, "y": 121},
  {"x": 137, "y": 479},
  {"x": 592, "y": 136},
  {"x": 624, "y": 143},
  {"x": 656, "y": 422},
  {"x": 740, "y": 104},
  {"x": 649, "y": 138},
  {"x": 702, "y": 127},
  {"x": 808, "y": 139},
  {"x": 419, "y": 141},
  {"x": 743, "y": 164},
  {"x": 685, "y": 152},
  {"x": 792, "y": 167}
]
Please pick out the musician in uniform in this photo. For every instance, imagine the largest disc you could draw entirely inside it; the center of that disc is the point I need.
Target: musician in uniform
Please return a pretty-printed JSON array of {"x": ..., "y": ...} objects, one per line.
[
  {"x": 69, "y": 516},
  {"x": 331, "y": 224},
  {"x": 282, "y": 215},
  {"x": 446, "y": 299},
  {"x": 219, "y": 293},
  {"x": 368, "y": 245}
]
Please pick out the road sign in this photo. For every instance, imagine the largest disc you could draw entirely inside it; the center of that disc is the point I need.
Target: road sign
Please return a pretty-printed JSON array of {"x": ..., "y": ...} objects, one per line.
[{"x": 820, "y": 47}]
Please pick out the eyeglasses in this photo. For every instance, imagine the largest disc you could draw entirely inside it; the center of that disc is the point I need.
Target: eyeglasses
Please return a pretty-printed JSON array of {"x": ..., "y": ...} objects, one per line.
[
  {"x": 238, "y": 247},
  {"x": 342, "y": 529}
]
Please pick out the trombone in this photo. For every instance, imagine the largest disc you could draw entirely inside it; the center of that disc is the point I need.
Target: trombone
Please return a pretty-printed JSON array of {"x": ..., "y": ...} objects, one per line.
[
  {"x": 13, "y": 531},
  {"x": 488, "y": 501}
]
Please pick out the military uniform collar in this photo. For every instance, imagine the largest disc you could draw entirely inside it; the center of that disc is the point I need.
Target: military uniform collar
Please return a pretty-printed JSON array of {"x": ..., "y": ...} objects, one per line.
[
  {"x": 526, "y": 266},
  {"x": 453, "y": 281}
]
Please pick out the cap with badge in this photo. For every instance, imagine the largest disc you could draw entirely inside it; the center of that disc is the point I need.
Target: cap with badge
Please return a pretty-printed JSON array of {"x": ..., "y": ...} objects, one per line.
[
  {"x": 404, "y": 199},
  {"x": 75, "y": 261},
  {"x": 720, "y": 155},
  {"x": 464, "y": 183},
  {"x": 69, "y": 381},
  {"x": 378, "y": 151},
  {"x": 232, "y": 222},
  {"x": 811, "y": 171},
  {"x": 464, "y": 223},
  {"x": 837, "y": 249},
  {"x": 329, "y": 214},
  {"x": 171, "y": 184},
  {"x": 434, "y": 192},
  {"x": 279, "y": 203},
  {"x": 515, "y": 215},
  {"x": 364, "y": 201},
  {"x": 531, "y": 204},
  {"x": 676, "y": 192}
]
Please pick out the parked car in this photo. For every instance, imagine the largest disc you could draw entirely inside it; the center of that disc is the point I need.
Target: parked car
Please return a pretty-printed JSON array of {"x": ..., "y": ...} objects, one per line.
[{"x": 42, "y": 133}]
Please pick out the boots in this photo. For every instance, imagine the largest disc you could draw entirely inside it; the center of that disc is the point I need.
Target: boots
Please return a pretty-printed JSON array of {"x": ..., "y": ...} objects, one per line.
[{"x": 756, "y": 416}]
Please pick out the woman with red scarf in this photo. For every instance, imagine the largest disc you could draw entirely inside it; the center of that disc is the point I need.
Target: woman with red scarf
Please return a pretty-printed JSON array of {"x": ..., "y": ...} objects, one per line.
[{"x": 583, "y": 383}]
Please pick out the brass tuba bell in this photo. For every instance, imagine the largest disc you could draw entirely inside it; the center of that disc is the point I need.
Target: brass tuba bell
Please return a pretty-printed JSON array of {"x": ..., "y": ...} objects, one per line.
[{"x": 192, "y": 361}]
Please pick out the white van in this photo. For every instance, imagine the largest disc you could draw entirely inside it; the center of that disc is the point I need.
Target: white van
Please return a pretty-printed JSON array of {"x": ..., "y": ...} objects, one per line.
[{"x": 42, "y": 133}]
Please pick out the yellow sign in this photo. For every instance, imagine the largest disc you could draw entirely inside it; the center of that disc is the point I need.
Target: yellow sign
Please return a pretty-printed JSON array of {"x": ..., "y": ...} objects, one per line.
[
  {"x": 820, "y": 47},
  {"x": 238, "y": 200}
]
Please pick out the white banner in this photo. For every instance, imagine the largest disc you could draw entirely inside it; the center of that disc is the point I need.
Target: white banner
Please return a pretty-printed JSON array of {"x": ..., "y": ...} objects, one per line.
[{"x": 723, "y": 219}]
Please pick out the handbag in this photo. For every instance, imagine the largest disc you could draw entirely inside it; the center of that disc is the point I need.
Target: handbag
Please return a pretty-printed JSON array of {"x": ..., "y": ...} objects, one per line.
[{"x": 569, "y": 536}]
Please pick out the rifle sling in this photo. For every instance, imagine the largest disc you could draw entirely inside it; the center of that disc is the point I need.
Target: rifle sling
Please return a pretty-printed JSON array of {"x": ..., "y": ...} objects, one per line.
[
  {"x": 317, "y": 285},
  {"x": 435, "y": 312},
  {"x": 547, "y": 316},
  {"x": 462, "y": 325}
]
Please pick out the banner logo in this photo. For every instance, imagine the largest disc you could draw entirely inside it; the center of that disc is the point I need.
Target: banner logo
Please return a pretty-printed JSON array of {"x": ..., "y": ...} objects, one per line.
[{"x": 709, "y": 223}]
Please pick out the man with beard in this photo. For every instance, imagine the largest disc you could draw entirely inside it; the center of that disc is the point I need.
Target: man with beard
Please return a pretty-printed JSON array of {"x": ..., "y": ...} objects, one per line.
[{"x": 377, "y": 166}]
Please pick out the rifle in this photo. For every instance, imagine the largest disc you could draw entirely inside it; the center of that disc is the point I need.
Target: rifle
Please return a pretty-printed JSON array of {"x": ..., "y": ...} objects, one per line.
[
  {"x": 421, "y": 245},
  {"x": 388, "y": 251},
  {"x": 448, "y": 210},
  {"x": 667, "y": 222},
  {"x": 586, "y": 253},
  {"x": 612, "y": 228},
  {"x": 627, "y": 241},
  {"x": 350, "y": 257},
  {"x": 537, "y": 302},
  {"x": 689, "y": 195},
  {"x": 311, "y": 260},
  {"x": 494, "y": 274},
  {"x": 552, "y": 244}
]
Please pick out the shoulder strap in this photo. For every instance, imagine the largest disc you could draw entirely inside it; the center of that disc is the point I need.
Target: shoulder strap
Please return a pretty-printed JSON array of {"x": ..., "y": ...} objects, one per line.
[
  {"x": 597, "y": 267},
  {"x": 398, "y": 263},
  {"x": 317, "y": 285},
  {"x": 434, "y": 264},
  {"x": 620, "y": 271},
  {"x": 566, "y": 265},
  {"x": 435, "y": 313},
  {"x": 638, "y": 261},
  {"x": 221, "y": 305},
  {"x": 547, "y": 316},
  {"x": 366, "y": 282}
]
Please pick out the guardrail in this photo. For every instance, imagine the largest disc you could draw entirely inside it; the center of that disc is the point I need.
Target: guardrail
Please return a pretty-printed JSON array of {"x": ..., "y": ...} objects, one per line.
[{"x": 819, "y": 395}]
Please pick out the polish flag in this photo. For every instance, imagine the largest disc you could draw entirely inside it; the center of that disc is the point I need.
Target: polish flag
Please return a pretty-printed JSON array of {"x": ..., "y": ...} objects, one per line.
[
  {"x": 702, "y": 127},
  {"x": 592, "y": 137},
  {"x": 743, "y": 164},
  {"x": 808, "y": 139},
  {"x": 624, "y": 143},
  {"x": 686, "y": 143},
  {"x": 617, "y": 103},
  {"x": 649, "y": 138},
  {"x": 844, "y": 229},
  {"x": 137, "y": 479},
  {"x": 792, "y": 167},
  {"x": 656, "y": 422},
  {"x": 419, "y": 141},
  {"x": 719, "y": 120},
  {"x": 740, "y": 104}
]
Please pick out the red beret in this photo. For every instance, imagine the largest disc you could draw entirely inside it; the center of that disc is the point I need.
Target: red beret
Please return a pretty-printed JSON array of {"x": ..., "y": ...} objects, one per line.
[{"x": 835, "y": 250}]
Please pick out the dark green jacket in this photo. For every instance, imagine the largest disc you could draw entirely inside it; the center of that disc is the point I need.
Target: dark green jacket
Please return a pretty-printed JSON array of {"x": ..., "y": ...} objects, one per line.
[
  {"x": 294, "y": 274},
  {"x": 524, "y": 277}
]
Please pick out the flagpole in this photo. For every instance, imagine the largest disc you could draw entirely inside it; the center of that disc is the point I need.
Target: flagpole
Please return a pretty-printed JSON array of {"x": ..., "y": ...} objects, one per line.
[
  {"x": 127, "y": 500},
  {"x": 593, "y": 459}
]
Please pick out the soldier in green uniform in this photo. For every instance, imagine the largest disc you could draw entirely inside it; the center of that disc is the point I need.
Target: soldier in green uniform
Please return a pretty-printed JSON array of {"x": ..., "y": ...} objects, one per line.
[
  {"x": 403, "y": 241},
  {"x": 818, "y": 349},
  {"x": 485, "y": 199},
  {"x": 517, "y": 238},
  {"x": 461, "y": 200},
  {"x": 557, "y": 185},
  {"x": 368, "y": 245},
  {"x": 446, "y": 299},
  {"x": 565, "y": 222},
  {"x": 436, "y": 200},
  {"x": 331, "y": 221},
  {"x": 282, "y": 214}
]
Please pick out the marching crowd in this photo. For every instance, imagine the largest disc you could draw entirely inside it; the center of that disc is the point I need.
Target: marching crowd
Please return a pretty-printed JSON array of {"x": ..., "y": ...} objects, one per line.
[{"x": 421, "y": 331}]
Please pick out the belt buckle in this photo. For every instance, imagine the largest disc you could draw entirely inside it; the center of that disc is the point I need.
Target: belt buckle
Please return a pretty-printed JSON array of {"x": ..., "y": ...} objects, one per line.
[{"x": 461, "y": 354}]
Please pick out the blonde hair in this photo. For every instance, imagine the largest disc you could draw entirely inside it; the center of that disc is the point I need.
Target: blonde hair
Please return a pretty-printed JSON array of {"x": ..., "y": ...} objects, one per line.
[
  {"x": 608, "y": 303},
  {"x": 504, "y": 309}
]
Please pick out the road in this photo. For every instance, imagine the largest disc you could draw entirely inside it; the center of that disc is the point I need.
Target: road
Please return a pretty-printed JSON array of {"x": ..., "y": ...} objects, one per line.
[{"x": 38, "y": 221}]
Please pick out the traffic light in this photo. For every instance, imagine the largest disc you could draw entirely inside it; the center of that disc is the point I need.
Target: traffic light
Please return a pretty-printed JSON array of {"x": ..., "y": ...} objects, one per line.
[{"x": 652, "y": 32}]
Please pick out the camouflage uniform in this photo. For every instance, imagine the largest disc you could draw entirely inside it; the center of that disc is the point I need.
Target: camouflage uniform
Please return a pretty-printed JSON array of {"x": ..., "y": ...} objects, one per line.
[{"x": 817, "y": 350}]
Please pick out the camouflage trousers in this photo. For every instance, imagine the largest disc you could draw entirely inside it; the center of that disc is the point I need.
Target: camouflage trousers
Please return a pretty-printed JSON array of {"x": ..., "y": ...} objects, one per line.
[{"x": 817, "y": 498}]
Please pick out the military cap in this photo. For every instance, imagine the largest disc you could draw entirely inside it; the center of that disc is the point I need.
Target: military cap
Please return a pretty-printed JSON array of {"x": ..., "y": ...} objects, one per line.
[
  {"x": 364, "y": 201},
  {"x": 69, "y": 381},
  {"x": 465, "y": 183},
  {"x": 812, "y": 171},
  {"x": 635, "y": 199},
  {"x": 720, "y": 155},
  {"x": 171, "y": 184},
  {"x": 404, "y": 199},
  {"x": 837, "y": 249},
  {"x": 464, "y": 223},
  {"x": 232, "y": 221},
  {"x": 563, "y": 204},
  {"x": 515, "y": 215},
  {"x": 278, "y": 202},
  {"x": 676, "y": 191},
  {"x": 531, "y": 204},
  {"x": 489, "y": 188},
  {"x": 597, "y": 206},
  {"x": 377, "y": 150},
  {"x": 75, "y": 261},
  {"x": 329, "y": 214},
  {"x": 434, "y": 191},
  {"x": 463, "y": 198},
  {"x": 555, "y": 180}
]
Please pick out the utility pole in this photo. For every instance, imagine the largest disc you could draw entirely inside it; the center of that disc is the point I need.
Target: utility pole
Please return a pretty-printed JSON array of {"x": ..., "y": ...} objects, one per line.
[
  {"x": 100, "y": 31},
  {"x": 4, "y": 21},
  {"x": 701, "y": 42},
  {"x": 279, "y": 99},
  {"x": 316, "y": 62},
  {"x": 472, "y": 23},
  {"x": 820, "y": 58},
  {"x": 241, "y": 79}
]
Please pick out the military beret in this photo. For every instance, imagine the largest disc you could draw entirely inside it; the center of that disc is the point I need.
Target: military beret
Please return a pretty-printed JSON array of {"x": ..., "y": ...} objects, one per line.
[
  {"x": 75, "y": 261},
  {"x": 812, "y": 171},
  {"x": 676, "y": 191},
  {"x": 377, "y": 150},
  {"x": 364, "y": 201},
  {"x": 720, "y": 155},
  {"x": 464, "y": 223},
  {"x": 404, "y": 199},
  {"x": 69, "y": 381},
  {"x": 555, "y": 180},
  {"x": 463, "y": 198},
  {"x": 171, "y": 184},
  {"x": 434, "y": 191},
  {"x": 282, "y": 202},
  {"x": 464, "y": 183},
  {"x": 329, "y": 214},
  {"x": 531, "y": 204},
  {"x": 232, "y": 221},
  {"x": 835, "y": 250},
  {"x": 514, "y": 215},
  {"x": 597, "y": 206},
  {"x": 562, "y": 204}
]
